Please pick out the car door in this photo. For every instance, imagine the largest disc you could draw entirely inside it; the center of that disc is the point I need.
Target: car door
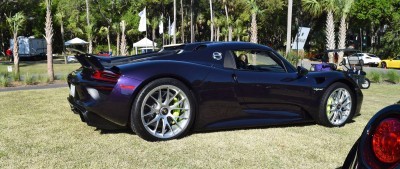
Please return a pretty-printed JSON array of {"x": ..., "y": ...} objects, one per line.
[{"x": 268, "y": 90}]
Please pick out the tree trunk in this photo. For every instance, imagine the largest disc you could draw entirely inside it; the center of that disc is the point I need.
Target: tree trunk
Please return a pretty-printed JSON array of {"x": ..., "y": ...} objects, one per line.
[
  {"x": 342, "y": 39},
  {"x": 182, "y": 25},
  {"x": 228, "y": 23},
  {"x": 88, "y": 23},
  {"x": 289, "y": 28},
  {"x": 330, "y": 35},
  {"x": 62, "y": 39},
  {"x": 254, "y": 38},
  {"x": 212, "y": 22},
  {"x": 118, "y": 42},
  {"x": 49, "y": 41},
  {"x": 218, "y": 33},
  {"x": 108, "y": 40},
  {"x": 16, "y": 56},
  {"x": 191, "y": 22},
  {"x": 153, "y": 36},
  {"x": 123, "y": 40},
  {"x": 174, "y": 25}
]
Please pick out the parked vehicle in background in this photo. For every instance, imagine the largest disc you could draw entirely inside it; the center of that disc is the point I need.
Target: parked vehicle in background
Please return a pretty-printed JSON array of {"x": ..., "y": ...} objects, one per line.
[
  {"x": 30, "y": 47},
  {"x": 391, "y": 63},
  {"x": 379, "y": 143},
  {"x": 367, "y": 59}
]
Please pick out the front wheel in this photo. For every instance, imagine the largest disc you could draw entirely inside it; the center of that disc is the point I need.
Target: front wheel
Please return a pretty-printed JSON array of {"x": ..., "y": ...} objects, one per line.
[
  {"x": 163, "y": 110},
  {"x": 337, "y": 105},
  {"x": 365, "y": 84}
]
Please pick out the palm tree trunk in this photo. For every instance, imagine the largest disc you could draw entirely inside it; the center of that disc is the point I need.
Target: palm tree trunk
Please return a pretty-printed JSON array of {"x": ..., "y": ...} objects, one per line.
[
  {"x": 16, "y": 56},
  {"x": 108, "y": 39},
  {"x": 118, "y": 42},
  {"x": 174, "y": 25},
  {"x": 182, "y": 25},
  {"x": 88, "y": 23},
  {"x": 191, "y": 22},
  {"x": 228, "y": 23},
  {"x": 123, "y": 39},
  {"x": 254, "y": 38},
  {"x": 212, "y": 22},
  {"x": 49, "y": 41},
  {"x": 218, "y": 33},
  {"x": 62, "y": 39},
  {"x": 330, "y": 34},
  {"x": 289, "y": 27},
  {"x": 342, "y": 38}
]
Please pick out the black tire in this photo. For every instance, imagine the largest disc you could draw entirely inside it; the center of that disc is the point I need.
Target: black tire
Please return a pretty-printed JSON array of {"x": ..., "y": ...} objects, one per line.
[
  {"x": 366, "y": 84},
  {"x": 137, "y": 122},
  {"x": 383, "y": 65},
  {"x": 326, "y": 105}
]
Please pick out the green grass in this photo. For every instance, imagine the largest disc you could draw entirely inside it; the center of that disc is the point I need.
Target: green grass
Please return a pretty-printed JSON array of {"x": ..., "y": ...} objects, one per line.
[
  {"x": 38, "y": 130},
  {"x": 36, "y": 68}
]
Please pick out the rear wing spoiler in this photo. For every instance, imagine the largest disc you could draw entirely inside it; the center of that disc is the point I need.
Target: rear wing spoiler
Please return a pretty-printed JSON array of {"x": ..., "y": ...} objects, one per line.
[{"x": 88, "y": 60}]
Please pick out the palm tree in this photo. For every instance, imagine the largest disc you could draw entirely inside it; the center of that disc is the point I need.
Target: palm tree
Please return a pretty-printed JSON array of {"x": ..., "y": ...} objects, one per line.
[
  {"x": 49, "y": 41},
  {"x": 228, "y": 21},
  {"x": 106, "y": 31},
  {"x": 15, "y": 22},
  {"x": 345, "y": 6},
  {"x": 154, "y": 24},
  {"x": 117, "y": 30},
  {"x": 60, "y": 18},
  {"x": 254, "y": 11},
  {"x": 316, "y": 8}
]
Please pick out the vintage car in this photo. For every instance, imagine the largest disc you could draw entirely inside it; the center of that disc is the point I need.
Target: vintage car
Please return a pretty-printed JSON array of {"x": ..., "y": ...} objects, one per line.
[
  {"x": 391, "y": 63},
  {"x": 379, "y": 143},
  {"x": 207, "y": 86}
]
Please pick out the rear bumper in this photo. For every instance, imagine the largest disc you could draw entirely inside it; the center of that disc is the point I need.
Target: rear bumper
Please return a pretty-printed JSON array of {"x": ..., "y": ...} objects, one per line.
[{"x": 90, "y": 118}]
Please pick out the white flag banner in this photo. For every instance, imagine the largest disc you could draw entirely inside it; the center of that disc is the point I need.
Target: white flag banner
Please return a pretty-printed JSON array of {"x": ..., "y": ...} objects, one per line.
[
  {"x": 142, "y": 23},
  {"x": 172, "y": 29},
  {"x": 161, "y": 26}
]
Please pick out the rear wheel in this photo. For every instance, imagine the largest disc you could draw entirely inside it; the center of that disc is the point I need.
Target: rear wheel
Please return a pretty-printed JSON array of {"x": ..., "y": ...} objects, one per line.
[
  {"x": 337, "y": 105},
  {"x": 163, "y": 110},
  {"x": 383, "y": 65}
]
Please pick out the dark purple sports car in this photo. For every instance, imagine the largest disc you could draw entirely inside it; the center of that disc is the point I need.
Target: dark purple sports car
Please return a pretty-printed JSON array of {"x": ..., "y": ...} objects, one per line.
[
  {"x": 379, "y": 143},
  {"x": 207, "y": 86}
]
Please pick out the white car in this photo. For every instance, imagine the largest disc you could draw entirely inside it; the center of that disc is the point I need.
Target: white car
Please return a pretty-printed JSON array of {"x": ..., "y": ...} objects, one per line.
[{"x": 366, "y": 58}]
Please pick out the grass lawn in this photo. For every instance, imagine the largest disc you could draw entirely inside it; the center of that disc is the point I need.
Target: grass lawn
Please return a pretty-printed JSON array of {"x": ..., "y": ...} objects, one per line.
[
  {"x": 40, "y": 67},
  {"x": 38, "y": 130}
]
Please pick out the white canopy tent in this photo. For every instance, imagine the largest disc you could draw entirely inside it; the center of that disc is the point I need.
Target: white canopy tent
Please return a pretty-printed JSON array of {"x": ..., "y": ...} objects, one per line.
[
  {"x": 75, "y": 41},
  {"x": 144, "y": 43}
]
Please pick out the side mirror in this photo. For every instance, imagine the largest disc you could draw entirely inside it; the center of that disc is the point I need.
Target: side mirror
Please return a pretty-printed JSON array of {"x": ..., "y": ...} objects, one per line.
[{"x": 301, "y": 71}]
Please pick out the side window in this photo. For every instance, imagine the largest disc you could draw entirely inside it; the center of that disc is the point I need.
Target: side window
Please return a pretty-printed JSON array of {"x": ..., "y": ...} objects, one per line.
[{"x": 258, "y": 61}]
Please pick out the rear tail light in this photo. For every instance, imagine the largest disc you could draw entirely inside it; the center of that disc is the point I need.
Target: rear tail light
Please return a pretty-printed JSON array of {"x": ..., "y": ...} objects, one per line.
[
  {"x": 105, "y": 75},
  {"x": 386, "y": 141}
]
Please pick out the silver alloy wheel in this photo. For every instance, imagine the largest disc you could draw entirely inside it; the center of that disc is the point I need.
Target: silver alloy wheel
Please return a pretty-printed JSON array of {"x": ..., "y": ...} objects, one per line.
[
  {"x": 338, "y": 106},
  {"x": 165, "y": 111}
]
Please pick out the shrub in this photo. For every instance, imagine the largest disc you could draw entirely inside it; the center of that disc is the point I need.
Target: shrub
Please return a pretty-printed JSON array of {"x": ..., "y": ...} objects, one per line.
[
  {"x": 29, "y": 79},
  {"x": 375, "y": 76},
  {"x": 16, "y": 77},
  {"x": 393, "y": 76},
  {"x": 4, "y": 81},
  {"x": 43, "y": 78}
]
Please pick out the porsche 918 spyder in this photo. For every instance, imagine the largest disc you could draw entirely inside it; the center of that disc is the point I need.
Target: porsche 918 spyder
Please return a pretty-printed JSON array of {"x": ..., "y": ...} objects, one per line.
[{"x": 207, "y": 86}]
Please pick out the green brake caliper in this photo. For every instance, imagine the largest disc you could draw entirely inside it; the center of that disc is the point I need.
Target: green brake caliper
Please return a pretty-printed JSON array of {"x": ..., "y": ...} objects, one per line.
[
  {"x": 328, "y": 106},
  {"x": 176, "y": 112}
]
